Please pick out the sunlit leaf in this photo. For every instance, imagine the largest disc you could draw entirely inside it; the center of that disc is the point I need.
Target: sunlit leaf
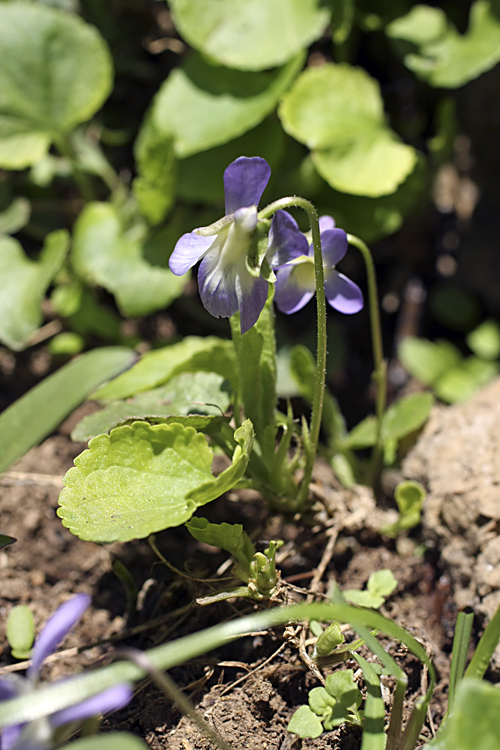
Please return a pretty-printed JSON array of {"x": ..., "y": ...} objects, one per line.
[
  {"x": 190, "y": 393},
  {"x": 337, "y": 111},
  {"x": 445, "y": 57},
  {"x": 427, "y": 360},
  {"x": 15, "y": 216},
  {"x": 159, "y": 366},
  {"x": 228, "y": 536},
  {"x": 201, "y": 106},
  {"x": 104, "y": 254},
  {"x": 485, "y": 340},
  {"x": 24, "y": 283},
  {"x": 406, "y": 415},
  {"x": 154, "y": 187},
  {"x": 305, "y": 723},
  {"x": 250, "y": 36},
  {"x": 143, "y": 478},
  {"x": 56, "y": 72},
  {"x": 39, "y": 411}
]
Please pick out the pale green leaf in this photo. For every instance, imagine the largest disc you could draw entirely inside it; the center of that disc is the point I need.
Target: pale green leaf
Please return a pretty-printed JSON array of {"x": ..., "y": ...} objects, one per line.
[
  {"x": 363, "y": 435},
  {"x": 158, "y": 367},
  {"x": 447, "y": 58},
  {"x": 20, "y": 631},
  {"x": 104, "y": 254},
  {"x": 382, "y": 582},
  {"x": 409, "y": 496},
  {"x": 305, "y": 723},
  {"x": 406, "y": 415},
  {"x": 15, "y": 216},
  {"x": 228, "y": 536},
  {"x": 24, "y": 283},
  {"x": 250, "y": 36},
  {"x": 189, "y": 393},
  {"x": 56, "y": 72},
  {"x": 337, "y": 111},
  {"x": 485, "y": 340},
  {"x": 201, "y": 106},
  {"x": 341, "y": 685},
  {"x": 320, "y": 700},
  {"x": 39, "y": 411},
  {"x": 427, "y": 360},
  {"x": 143, "y": 478},
  {"x": 474, "y": 721},
  {"x": 461, "y": 382}
]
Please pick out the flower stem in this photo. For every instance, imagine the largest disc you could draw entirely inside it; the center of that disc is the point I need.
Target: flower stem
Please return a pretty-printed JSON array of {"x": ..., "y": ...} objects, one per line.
[
  {"x": 81, "y": 177},
  {"x": 311, "y": 440},
  {"x": 380, "y": 364}
]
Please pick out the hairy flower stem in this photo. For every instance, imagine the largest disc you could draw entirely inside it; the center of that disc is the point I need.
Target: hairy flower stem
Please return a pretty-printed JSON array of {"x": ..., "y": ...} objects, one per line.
[
  {"x": 380, "y": 364},
  {"x": 311, "y": 440}
]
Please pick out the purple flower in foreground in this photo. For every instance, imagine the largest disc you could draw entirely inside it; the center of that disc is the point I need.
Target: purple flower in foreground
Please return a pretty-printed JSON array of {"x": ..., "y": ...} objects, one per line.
[
  {"x": 226, "y": 282},
  {"x": 38, "y": 734},
  {"x": 296, "y": 285}
]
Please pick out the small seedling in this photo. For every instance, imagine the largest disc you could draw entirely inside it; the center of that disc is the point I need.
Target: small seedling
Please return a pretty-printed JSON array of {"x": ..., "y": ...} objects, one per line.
[
  {"x": 20, "y": 631},
  {"x": 410, "y": 497},
  {"x": 380, "y": 585}
]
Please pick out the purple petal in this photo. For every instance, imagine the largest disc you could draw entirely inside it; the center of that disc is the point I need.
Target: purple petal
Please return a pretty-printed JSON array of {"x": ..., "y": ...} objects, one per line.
[
  {"x": 55, "y": 629},
  {"x": 342, "y": 293},
  {"x": 9, "y": 689},
  {"x": 326, "y": 223},
  {"x": 289, "y": 295},
  {"x": 216, "y": 286},
  {"x": 110, "y": 700},
  {"x": 10, "y": 736},
  {"x": 188, "y": 251},
  {"x": 286, "y": 241},
  {"x": 245, "y": 180},
  {"x": 334, "y": 246},
  {"x": 251, "y": 302}
]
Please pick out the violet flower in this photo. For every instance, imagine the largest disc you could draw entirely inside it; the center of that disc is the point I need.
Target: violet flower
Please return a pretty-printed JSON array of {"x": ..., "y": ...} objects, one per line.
[
  {"x": 227, "y": 281},
  {"x": 38, "y": 734},
  {"x": 296, "y": 284}
]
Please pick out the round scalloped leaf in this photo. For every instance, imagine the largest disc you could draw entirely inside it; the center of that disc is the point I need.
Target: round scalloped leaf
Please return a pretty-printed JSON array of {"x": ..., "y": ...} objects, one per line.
[
  {"x": 143, "y": 478},
  {"x": 56, "y": 72},
  {"x": 338, "y": 112},
  {"x": 201, "y": 106},
  {"x": 250, "y": 36}
]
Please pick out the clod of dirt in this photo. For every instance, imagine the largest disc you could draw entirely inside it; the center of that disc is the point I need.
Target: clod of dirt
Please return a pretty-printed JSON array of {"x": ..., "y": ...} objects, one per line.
[{"x": 456, "y": 459}]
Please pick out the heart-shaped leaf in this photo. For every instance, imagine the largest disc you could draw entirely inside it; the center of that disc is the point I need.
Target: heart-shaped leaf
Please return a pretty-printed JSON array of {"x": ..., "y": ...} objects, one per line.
[
  {"x": 200, "y": 106},
  {"x": 143, "y": 478},
  {"x": 337, "y": 111},
  {"x": 250, "y": 36},
  {"x": 56, "y": 72},
  {"x": 104, "y": 254}
]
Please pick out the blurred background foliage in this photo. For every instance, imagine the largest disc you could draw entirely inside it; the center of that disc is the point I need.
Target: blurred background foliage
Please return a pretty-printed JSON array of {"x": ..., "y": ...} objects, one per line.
[{"x": 118, "y": 119}]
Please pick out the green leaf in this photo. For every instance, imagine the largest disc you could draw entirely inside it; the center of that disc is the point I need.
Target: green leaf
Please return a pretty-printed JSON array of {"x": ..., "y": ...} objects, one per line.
[
  {"x": 20, "y": 631},
  {"x": 379, "y": 586},
  {"x": 374, "y": 737},
  {"x": 363, "y": 435},
  {"x": 250, "y": 36},
  {"x": 320, "y": 701},
  {"x": 201, "y": 106},
  {"x": 485, "y": 340},
  {"x": 56, "y": 72},
  {"x": 158, "y": 367},
  {"x": 154, "y": 187},
  {"x": 410, "y": 496},
  {"x": 143, "y": 478},
  {"x": 24, "y": 283},
  {"x": 15, "y": 217},
  {"x": 445, "y": 57},
  {"x": 427, "y": 360},
  {"x": 341, "y": 685},
  {"x": 461, "y": 382},
  {"x": 104, "y": 254},
  {"x": 38, "y": 412},
  {"x": 305, "y": 723},
  {"x": 110, "y": 741},
  {"x": 228, "y": 536},
  {"x": 406, "y": 415},
  {"x": 337, "y": 111},
  {"x": 5, "y": 540},
  {"x": 474, "y": 721},
  {"x": 190, "y": 393}
]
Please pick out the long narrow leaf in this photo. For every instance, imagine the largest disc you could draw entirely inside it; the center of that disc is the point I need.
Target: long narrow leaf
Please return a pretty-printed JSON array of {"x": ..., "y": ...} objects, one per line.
[
  {"x": 461, "y": 641},
  {"x": 59, "y": 695},
  {"x": 485, "y": 648},
  {"x": 374, "y": 711},
  {"x": 38, "y": 412}
]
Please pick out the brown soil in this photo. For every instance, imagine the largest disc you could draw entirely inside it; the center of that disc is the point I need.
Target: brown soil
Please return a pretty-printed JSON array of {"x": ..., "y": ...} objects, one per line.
[{"x": 249, "y": 690}]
